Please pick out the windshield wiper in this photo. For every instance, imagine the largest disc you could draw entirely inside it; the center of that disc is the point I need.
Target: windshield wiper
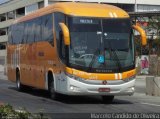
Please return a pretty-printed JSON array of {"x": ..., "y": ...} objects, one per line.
[
  {"x": 117, "y": 59},
  {"x": 93, "y": 59},
  {"x": 115, "y": 56}
]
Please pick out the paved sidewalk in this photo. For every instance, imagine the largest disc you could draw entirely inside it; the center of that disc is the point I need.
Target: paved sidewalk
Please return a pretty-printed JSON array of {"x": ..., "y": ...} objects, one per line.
[
  {"x": 2, "y": 76},
  {"x": 1, "y": 68},
  {"x": 141, "y": 76},
  {"x": 140, "y": 84}
]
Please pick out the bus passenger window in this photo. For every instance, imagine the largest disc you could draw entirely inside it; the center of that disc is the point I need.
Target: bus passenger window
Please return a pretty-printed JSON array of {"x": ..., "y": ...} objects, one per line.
[
  {"x": 26, "y": 32},
  {"x": 58, "y": 18},
  {"x": 14, "y": 34},
  {"x": 9, "y": 35},
  {"x": 21, "y": 32},
  {"x": 47, "y": 28},
  {"x": 17, "y": 33},
  {"x": 30, "y": 28},
  {"x": 38, "y": 30}
]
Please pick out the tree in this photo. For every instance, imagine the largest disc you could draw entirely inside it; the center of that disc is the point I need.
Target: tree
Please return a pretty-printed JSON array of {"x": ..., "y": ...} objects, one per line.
[{"x": 153, "y": 31}]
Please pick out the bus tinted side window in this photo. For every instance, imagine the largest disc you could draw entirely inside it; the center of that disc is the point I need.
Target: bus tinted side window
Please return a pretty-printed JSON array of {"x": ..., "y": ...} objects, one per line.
[
  {"x": 20, "y": 32},
  {"x": 9, "y": 35},
  {"x": 38, "y": 29},
  {"x": 26, "y": 32},
  {"x": 33, "y": 31},
  {"x": 14, "y": 34},
  {"x": 58, "y": 17},
  {"x": 47, "y": 28},
  {"x": 30, "y": 28},
  {"x": 17, "y": 33}
]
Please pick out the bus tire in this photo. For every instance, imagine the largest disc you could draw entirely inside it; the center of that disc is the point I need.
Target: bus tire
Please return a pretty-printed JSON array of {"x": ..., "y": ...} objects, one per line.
[
  {"x": 53, "y": 95},
  {"x": 108, "y": 98},
  {"x": 19, "y": 86}
]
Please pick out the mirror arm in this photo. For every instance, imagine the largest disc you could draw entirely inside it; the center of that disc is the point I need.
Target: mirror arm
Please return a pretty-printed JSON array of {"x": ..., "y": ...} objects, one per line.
[
  {"x": 66, "y": 34},
  {"x": 142, "y": 33}
]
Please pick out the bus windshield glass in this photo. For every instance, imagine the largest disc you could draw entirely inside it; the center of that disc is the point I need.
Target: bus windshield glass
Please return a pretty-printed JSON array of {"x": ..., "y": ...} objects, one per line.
[{"x": 101, "y": 45}]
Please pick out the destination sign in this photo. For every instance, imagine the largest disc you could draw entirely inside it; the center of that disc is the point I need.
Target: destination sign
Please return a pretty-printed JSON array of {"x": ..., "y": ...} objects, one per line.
[{"x": 85, "y": 21}]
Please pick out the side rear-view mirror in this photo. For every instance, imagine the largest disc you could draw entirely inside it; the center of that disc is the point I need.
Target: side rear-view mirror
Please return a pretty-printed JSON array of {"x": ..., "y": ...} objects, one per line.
[
  {"x": 142, "y": 34},
  {"x": 65, "y": 32}
]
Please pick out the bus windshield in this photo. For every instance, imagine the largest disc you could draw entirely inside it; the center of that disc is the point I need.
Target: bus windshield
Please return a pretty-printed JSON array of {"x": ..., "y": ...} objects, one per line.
[{"x": 101, "y": 45}]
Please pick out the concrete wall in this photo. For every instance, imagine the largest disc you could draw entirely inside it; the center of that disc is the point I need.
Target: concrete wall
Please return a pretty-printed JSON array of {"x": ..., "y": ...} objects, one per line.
[
  {"x": 143, "y": 2},
  {"x": 148, "y": 2},
  {"x": 146, "y": 8},
  {"x": 5, "y": 24},
  {"x": 4, "y": 38},
  {"x": 3, "y": 54},
  {"x": 15, "y": 4},
  {"x": 31, "y": 8}
]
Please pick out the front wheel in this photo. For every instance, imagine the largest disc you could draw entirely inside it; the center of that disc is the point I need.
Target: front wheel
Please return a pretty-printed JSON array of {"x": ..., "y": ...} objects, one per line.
[
  {"x": 107, "y": 99},
  {"x": 52, "y": 93}
]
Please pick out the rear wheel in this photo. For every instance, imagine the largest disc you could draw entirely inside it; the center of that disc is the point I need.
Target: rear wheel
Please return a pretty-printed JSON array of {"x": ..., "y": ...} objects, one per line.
[
  {"x": 107, "y": 99},
  {"x": 19, "y": 86}
]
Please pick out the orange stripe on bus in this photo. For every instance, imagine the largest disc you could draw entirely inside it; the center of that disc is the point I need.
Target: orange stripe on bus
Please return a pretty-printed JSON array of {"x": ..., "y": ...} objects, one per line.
[{"x": 98, "y": 76}]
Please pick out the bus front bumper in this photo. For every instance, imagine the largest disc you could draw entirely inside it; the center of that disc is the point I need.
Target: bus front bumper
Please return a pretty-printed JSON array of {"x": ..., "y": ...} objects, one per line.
[{"x": 75, "y": 87}]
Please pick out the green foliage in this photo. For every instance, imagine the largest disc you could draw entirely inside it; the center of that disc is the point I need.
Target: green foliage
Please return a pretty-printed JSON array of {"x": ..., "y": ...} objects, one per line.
[
  {"x": 153, "y": 31},
  {"x": 137, "y": 44},
  {"x": 7, "y": 112},
  {"x": 154, "y": 23}
]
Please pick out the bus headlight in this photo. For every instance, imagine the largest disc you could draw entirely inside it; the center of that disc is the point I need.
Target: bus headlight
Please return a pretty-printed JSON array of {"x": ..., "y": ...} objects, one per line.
[
  {"x": 74, "y": 77},
  {"x": 74, "y": 88},
  {"x": 129, "y": 79}
]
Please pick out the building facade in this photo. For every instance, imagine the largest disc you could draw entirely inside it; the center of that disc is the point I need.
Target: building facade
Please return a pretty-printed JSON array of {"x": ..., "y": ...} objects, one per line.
[{"x": 12, "y": 9}]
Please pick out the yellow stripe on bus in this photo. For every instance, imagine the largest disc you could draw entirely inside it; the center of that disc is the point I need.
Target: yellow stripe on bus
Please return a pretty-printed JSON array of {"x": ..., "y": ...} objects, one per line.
[{"x": 97, "y": 76}]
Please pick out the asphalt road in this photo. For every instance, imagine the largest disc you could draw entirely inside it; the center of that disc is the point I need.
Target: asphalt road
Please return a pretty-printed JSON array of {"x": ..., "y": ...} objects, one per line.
[{"x": 37, "y": 100}]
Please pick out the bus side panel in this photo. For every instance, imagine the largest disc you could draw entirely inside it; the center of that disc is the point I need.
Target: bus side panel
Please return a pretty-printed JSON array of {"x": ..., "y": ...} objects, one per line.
[
  {"x": 38, "y": 64},
  {"x": 11, "y": 73},
  {"x": 11, "y": 68},
  {"x": 36, "y": 59},
  {"x": 46, "y": 56},
  {"x": 25, "y": 66}
]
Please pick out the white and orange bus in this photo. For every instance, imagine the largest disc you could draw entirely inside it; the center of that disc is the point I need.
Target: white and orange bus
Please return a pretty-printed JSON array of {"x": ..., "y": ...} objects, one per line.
[{"x": 75, "y": 49}]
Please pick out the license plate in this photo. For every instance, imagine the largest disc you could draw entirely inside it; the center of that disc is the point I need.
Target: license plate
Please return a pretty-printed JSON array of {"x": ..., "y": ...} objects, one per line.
[{"x": 104, "y": 90}]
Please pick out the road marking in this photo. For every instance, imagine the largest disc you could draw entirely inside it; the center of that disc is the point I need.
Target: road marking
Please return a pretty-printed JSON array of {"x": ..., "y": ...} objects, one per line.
[{"x": 150, "y": 104}]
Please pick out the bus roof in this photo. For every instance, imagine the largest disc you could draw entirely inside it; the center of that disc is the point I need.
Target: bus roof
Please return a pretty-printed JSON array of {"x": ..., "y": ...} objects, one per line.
[{"x": 79, "y": 9}]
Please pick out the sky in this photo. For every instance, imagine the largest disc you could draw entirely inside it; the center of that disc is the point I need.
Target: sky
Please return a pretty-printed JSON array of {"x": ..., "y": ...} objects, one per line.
[{"x": 3, "y": 1}]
